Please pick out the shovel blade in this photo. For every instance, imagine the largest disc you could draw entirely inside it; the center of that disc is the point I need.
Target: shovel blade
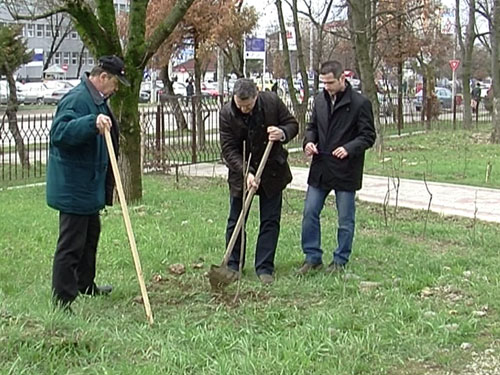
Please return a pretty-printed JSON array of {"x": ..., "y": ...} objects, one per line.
[{"x": 220, "y": 277}]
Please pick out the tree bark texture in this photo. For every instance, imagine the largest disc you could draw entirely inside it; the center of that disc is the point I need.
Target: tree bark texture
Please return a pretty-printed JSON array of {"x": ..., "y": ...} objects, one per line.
[
  {"x": 11, "y": 112},
  {"x": 361, "y": 15},
  {"x": 495, "y": 68}
]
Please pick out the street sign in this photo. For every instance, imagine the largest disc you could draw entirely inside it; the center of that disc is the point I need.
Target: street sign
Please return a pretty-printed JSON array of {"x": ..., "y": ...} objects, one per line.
[
  {"x": 454, "y": 64},
  {"x": 255, "y": 48}
]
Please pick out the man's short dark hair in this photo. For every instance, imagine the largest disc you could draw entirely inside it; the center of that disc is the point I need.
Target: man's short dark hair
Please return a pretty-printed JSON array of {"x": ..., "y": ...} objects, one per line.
[
  {"x": 333, "y": 67},
  {"x": 244, "y": 89}
]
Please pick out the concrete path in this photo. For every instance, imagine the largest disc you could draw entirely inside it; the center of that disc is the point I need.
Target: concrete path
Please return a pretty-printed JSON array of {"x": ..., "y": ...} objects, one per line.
[{"x": 447, "y": 199}]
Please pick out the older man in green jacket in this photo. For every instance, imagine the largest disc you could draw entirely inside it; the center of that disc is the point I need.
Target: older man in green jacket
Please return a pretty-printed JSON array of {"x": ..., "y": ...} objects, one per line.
[{"x": 79, "y": 178}]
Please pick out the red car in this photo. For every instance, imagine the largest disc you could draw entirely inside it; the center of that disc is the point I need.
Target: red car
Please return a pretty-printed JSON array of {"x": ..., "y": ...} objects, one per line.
[{"x": 209, "y": 89}]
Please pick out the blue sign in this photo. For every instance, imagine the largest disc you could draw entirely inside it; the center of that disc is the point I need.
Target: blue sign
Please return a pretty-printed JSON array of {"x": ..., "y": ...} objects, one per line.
[
  {"x": 255, "y": 44},
  {"x": 255, "y": 48}
]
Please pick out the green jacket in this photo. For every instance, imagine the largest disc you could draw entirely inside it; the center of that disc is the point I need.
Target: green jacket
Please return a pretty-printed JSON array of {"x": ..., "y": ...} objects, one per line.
[{"x": 78, "y": 159}]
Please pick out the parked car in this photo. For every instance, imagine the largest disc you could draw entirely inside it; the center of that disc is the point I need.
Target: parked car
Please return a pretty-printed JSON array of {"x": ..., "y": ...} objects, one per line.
[
  {"x": 443, "y": 94},
  {"x": 33, "y": 92},
  {"x": 179, "y": 90},
  {"x": 55, "y": 90},
  {"x": 209, "y": 89},
  {"x": 5, "y": 93},
  {"x": 53, "y": 96}
]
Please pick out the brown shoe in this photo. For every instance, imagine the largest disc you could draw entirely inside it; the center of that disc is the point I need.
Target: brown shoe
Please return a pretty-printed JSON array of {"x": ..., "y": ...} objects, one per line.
[
  {"x": 335, "y": 268},
  {"x": 308, "y": 267},
  {"x": 266, "y": 278}
]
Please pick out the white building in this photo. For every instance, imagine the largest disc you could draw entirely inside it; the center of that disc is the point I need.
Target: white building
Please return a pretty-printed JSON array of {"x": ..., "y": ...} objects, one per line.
[{"x": 71, "y": 55}]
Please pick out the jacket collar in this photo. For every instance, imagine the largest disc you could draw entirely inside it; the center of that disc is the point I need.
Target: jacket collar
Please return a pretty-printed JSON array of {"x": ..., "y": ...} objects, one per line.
[
  {"x": 94, "y": 93},
  {"x": 344, "y": 99}
]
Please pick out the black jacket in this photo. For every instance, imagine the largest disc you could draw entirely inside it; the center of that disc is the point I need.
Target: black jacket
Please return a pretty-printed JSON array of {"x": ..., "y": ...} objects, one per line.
[
  {"x": 349, "y": 124},
  {"x": 236, "y": 127}
]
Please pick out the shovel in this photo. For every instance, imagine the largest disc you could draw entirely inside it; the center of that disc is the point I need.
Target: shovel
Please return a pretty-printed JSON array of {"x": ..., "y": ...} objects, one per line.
[
  {"x": 221, "y": 276},
  {"x": 128, "y": 225}
]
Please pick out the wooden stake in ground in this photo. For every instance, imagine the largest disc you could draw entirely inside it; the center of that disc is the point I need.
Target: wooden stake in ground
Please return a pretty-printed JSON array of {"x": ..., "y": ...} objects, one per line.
[{"x": 128, "y": 226}]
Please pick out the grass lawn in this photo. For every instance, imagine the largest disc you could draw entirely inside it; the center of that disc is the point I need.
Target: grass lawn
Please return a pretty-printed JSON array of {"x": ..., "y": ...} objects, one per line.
[{"x": 407, "y": 305}]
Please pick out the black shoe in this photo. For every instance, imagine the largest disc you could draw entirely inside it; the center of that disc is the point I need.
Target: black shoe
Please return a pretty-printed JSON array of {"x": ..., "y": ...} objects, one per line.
[
  {"x": 95, "y": 290},
  {"x": 335, "y": 268},
  {"x": 308, "y": 267},
  {"x": 102, "y": 290}
]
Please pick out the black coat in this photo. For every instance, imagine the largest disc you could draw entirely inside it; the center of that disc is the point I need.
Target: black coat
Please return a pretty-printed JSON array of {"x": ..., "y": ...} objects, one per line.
[
  {"x": 350, "y": 125},
  {"x": 235, "y": 127}
]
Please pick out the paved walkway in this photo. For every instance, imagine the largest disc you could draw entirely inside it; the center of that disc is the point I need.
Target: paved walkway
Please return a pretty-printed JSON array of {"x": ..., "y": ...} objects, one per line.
[{"x": 447, "y": 199}]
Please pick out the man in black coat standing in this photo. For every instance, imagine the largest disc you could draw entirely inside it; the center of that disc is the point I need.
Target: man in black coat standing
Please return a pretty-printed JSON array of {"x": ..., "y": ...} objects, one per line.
[
  {"x": 340, "y": 130},
  {"x": 256, "y": 118}
]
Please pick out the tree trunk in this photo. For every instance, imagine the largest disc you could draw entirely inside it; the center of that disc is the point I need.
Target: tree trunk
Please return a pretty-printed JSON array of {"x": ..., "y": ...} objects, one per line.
[
  {"x": 200, "y": 124},
  {"x": 495, "y": 68},
  {"x": 126, "y": 111},
  {"x": 400, "y": 117},
  {"x": 430, "y": 103},
  {"x": 466, "y": 49},
  {"x": 299, "y": 109},
  {"x": 11, "y": 113},
  {"x": 360, "y": 13},
  {"x": 300, "y": 57},
  {"x": 172, "y": 101}
]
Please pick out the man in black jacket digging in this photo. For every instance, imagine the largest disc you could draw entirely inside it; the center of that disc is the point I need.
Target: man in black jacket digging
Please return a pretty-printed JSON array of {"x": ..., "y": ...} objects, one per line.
[
  {"x": 340, "y": 130},
  {"x": 256, "y": 118}
]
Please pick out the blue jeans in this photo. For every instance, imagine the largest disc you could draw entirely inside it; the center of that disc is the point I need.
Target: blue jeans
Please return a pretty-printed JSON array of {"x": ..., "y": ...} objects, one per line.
[
  {"x": 269, "y": 230},
  {"x": 311, "y": 225}
]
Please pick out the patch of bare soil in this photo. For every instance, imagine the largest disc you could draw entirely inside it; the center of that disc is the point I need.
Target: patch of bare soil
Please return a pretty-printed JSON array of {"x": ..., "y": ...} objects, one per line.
[{"x": 178, "y": 289}]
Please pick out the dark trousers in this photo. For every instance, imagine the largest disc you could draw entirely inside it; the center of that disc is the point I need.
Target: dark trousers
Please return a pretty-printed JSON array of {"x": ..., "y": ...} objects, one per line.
[
  {"x": 270, "y": 216},
  {"x": 75, "y": 258}
]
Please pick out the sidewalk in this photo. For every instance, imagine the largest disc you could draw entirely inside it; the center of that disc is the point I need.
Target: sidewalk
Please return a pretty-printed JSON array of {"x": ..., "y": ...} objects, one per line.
[{"x": 447, "y": 199}]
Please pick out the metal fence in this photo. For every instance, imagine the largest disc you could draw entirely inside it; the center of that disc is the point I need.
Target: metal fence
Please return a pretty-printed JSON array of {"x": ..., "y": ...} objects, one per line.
[
  {"x": 23, "y": 149},
  {"x": 178, "y": 131}
]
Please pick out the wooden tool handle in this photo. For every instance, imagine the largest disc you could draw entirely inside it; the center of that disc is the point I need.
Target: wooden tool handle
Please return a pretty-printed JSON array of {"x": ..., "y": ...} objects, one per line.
[{"x": 128, "y": 226}]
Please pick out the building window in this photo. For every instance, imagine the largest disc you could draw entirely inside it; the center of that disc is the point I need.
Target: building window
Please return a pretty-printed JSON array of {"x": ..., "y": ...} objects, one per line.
[
  {"x": 74, "y": 34},
  {"x": 65, "y": 58},
  {"x": 90, "y": 60},
  {"x": 30, "y": 30},
  {"x": 40, "y": 30},
  {"x": 48, "y": 31},
  {"x": 74, "y": 58},
  {"x": 57, "y": 58}
]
